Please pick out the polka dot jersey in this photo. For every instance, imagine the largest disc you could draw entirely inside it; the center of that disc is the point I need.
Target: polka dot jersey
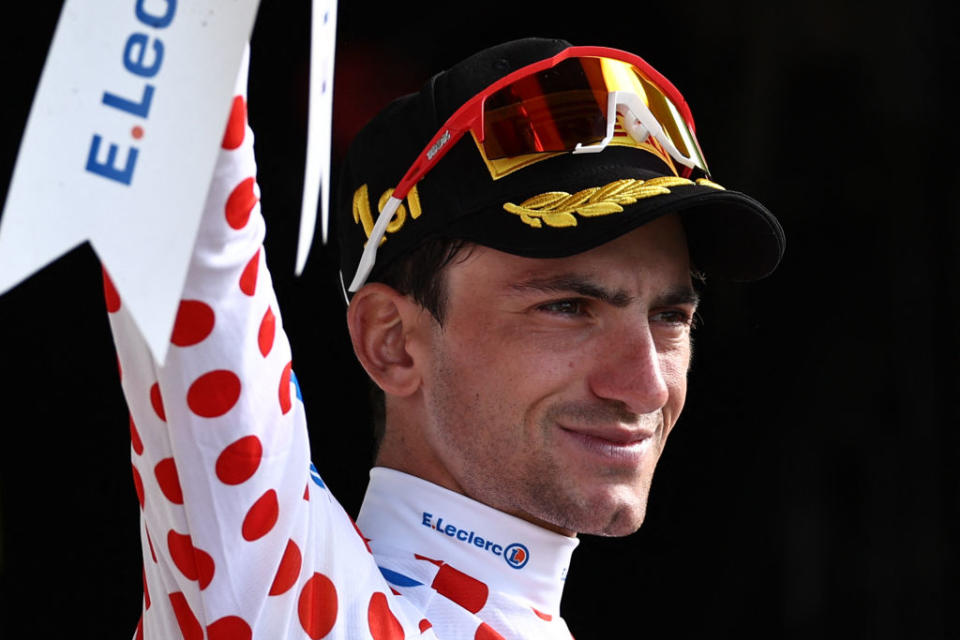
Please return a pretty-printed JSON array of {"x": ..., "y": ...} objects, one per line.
[{"x": 240, "y": 537}]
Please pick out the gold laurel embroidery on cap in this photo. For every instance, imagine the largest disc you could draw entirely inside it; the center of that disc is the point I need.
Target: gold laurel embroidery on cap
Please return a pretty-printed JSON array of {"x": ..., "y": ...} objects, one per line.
[
  {"x": 703, "y": 182},
  {"x": 557, "y": 208},
  {"x": 364, "y": 216}
]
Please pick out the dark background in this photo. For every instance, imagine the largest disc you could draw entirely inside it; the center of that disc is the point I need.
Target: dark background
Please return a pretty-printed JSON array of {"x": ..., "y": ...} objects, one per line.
[{"x": 811, "y": 487}]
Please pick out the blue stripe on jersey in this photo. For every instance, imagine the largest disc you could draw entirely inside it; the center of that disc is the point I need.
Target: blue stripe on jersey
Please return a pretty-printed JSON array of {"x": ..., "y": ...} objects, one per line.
[
  {"x": 315, "y": 476},
  {"x": 296, "y": 385},
  {"x": 399, "y": 579}
]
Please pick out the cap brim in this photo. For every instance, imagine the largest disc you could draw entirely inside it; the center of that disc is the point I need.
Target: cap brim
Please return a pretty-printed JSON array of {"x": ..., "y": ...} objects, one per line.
[{"x": 730, "y": 234}]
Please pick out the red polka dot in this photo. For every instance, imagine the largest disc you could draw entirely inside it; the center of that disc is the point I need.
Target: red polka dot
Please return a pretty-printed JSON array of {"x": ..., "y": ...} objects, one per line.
[
  {"x": 214, "y": 393},
  {"x": 248, "y": 279},
  {"x": 286, "y": 402},
  {"x": 468, "y": 592},
  {"x": 194, "y": 322},
  {"x": 193, "y": 563},
  {"x": 135, "y": 438},
  {"x": 240, "y": 204},
  {"x": 240, "y": 460},
  {"x": 189, "y": 626},
  {"x": 383, "y": 624},
  {"x": 268, "y": 328},
  {"x": 138, "y": 485},
  {"x": 156, "y": 400},
  {"x": 153, "y": 554},
  {"x": 229, "y": 628},
  {"x": 110, "y": 293},
  {"x": 306, "y": 492},
  {"x": 137, "y": 132},
  {"x": 289, "y": 570},
  {"x": 317, "y": 607},
  {"x": 261, "y": 517},
  {"x": 146, "y": 591},
  {"x": 424, "y": 625},
  {"x": 181, "y": 552},
  {"x": 205, "y": 568},
  {"x": 542, "y": 615},
  {"x": 169, "y": 481},
  {"x": 486, "y": 632},
  {"x": 233, "y": 136}
]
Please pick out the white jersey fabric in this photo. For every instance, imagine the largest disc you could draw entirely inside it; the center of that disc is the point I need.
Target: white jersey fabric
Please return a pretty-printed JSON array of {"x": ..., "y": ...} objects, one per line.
[{"x": 240, "y": 537}]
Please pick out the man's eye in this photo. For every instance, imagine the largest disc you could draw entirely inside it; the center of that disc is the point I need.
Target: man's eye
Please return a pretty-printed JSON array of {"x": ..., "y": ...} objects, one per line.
[
  {"x": 563, "y": 307},
  {"x": 673, "y": 316}
]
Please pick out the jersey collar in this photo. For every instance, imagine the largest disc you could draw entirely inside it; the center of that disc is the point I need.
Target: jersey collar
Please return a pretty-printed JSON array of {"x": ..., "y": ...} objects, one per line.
[{"x": 510, "y": 555}]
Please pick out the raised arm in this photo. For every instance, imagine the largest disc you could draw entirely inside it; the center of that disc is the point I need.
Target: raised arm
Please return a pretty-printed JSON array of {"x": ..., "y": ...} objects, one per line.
[{"x": 240, "y": 537}]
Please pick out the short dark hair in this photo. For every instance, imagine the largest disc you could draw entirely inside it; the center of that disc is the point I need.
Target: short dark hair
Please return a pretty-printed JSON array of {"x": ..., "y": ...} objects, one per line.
[{"x": 419, "y": 274}]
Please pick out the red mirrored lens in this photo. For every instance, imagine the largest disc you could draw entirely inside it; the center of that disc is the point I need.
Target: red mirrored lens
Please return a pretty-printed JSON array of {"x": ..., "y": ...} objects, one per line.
[
  {"x": 556, "y": 109},
  {"x": 551, "y": 110}
]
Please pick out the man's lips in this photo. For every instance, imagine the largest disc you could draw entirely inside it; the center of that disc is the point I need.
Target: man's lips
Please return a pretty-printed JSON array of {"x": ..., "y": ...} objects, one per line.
[
  {"x": 615, "y": 435},
  {"x": 621, "y": 443}
]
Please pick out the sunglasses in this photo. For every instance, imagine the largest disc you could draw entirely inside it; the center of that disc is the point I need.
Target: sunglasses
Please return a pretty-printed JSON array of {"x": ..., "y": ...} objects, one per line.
[{"x": 572, "y": 102}]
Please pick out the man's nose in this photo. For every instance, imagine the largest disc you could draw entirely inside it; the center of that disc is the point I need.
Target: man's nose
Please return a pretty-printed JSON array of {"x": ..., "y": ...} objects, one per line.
[{"x": 629, "y": 370}]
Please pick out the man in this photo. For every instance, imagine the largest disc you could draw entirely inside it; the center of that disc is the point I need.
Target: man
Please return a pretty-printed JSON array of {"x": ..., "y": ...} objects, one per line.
[{"x": 518, "y": 245}]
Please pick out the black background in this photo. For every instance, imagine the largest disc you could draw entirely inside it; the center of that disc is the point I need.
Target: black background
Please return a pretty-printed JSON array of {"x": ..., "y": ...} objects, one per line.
[{"x": 811, "y": 487}]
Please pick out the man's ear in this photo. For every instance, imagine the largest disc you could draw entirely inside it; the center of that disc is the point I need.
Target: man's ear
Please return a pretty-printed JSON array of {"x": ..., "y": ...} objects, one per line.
[{"x": 379, "y": 320}]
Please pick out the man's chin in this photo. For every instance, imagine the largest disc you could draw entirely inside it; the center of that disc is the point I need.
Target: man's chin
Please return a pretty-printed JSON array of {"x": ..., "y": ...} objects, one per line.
[
  {"x": 602, "y": 516},
  {"x": 620, "y": 522}
]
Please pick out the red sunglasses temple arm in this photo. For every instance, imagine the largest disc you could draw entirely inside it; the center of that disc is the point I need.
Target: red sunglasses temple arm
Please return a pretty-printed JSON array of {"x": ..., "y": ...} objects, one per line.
[{"x": 467, "y": 117}]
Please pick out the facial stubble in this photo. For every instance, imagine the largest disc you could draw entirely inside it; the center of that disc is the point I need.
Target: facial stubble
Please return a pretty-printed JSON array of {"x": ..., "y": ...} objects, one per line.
[{"x": 521, "y": 471}]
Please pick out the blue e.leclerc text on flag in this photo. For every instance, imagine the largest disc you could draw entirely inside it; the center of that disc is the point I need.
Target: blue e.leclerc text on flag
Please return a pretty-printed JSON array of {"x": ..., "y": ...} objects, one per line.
[
  {"x": 143, "y": 57},
  {"x": 120, "y": 145}
]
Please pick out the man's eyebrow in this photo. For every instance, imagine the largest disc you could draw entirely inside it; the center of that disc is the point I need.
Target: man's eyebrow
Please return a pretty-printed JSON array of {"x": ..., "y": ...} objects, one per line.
[
  {"x": 569, "y": 283},
  {"x": 584, "y": 286},
  {"x": 679, "y": 296}
]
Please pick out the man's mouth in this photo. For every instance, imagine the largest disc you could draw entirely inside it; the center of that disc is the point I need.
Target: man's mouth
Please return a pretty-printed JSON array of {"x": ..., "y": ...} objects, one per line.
[{"x": 617, "y": 443}]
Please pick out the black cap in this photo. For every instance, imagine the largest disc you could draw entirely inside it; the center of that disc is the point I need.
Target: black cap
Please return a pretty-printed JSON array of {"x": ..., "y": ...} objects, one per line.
[{"x": 730, "y": 235}]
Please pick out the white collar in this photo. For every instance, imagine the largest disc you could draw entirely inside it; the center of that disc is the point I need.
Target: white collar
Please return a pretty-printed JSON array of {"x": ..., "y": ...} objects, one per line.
[{"x": 510, "y": 555}]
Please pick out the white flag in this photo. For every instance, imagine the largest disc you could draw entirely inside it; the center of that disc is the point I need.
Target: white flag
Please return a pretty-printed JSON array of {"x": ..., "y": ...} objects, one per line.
[
  {"x": 316, "y": 179},
  {"x": 121, "y": 142}
]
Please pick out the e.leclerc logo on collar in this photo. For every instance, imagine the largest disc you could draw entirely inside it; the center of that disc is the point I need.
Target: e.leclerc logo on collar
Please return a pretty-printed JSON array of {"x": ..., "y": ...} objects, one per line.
[{"x": 516, "y": 555}]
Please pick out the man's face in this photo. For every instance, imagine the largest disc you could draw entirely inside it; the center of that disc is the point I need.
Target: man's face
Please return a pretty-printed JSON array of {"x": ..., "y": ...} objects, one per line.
[{"x": 552, "y": 385}]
